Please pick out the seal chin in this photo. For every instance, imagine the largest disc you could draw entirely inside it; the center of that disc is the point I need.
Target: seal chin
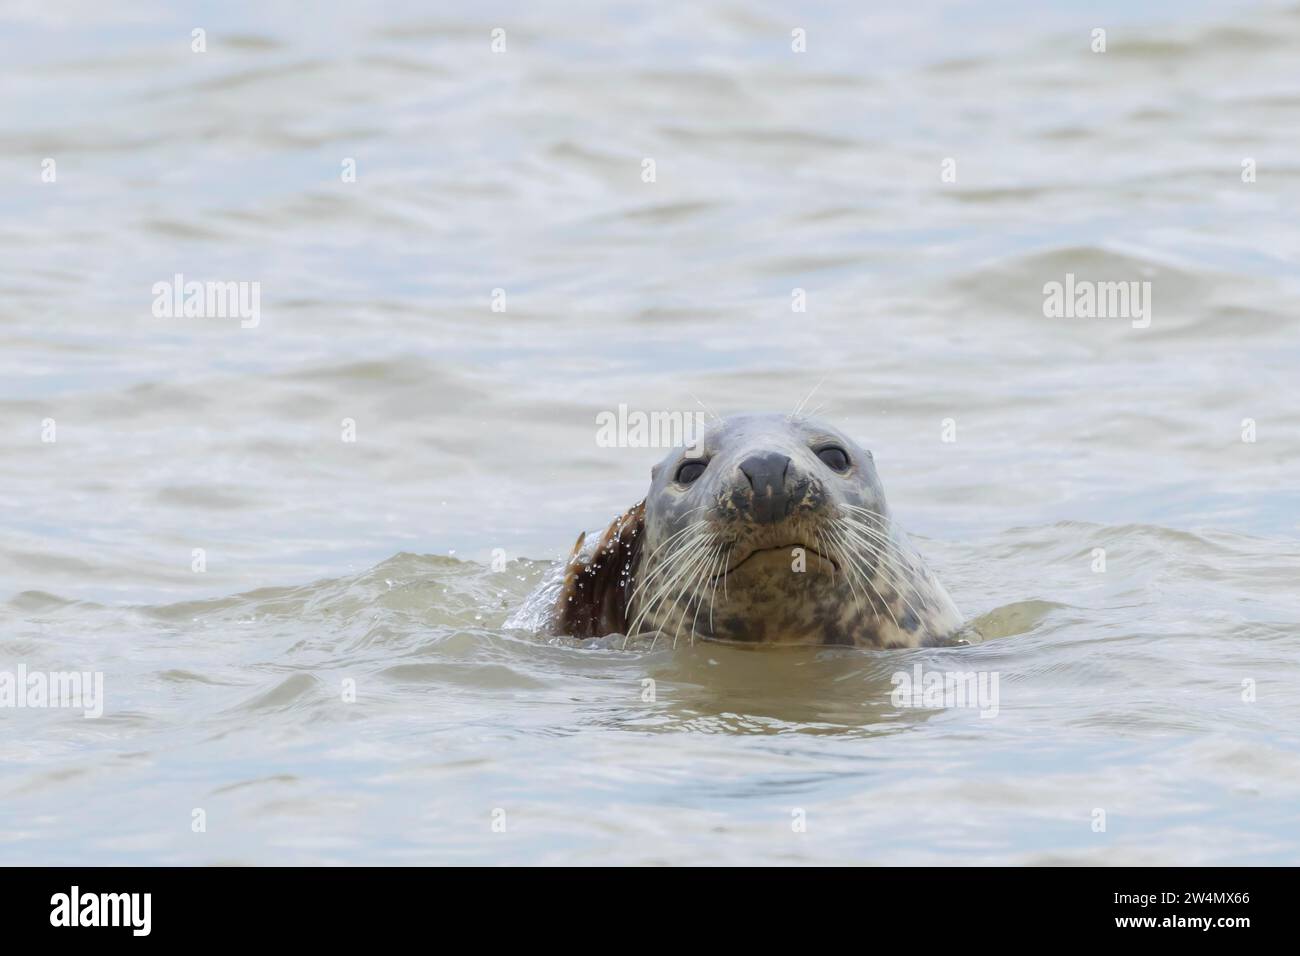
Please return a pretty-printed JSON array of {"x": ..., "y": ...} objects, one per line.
[{"x": 781, "y": 557}]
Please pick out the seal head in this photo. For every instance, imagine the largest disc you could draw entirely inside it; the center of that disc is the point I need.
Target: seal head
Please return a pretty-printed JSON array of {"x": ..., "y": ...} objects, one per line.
[{"x": 768, "y": 530}]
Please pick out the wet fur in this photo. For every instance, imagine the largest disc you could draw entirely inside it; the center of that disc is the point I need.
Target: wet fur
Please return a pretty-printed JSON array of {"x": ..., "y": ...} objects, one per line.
[{"x": 594, "y": 599}]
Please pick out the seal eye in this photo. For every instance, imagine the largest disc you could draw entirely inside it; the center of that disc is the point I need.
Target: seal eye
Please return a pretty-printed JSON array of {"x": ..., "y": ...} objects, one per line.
[
  {"x": 834, "y": 457},
  {"x": 689, "y": 471}
]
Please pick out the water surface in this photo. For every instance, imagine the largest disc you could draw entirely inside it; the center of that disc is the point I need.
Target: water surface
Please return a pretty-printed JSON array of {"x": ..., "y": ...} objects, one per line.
[{"x": 328, "y": 561}]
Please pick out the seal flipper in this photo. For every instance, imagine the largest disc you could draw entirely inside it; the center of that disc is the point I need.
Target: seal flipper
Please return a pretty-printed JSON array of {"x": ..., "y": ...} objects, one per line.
[{"x": 596, "y": 592}]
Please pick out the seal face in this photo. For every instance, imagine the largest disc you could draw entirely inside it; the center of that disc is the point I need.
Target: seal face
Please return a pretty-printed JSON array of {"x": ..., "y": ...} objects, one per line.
[{"x": 768, "y": 530}]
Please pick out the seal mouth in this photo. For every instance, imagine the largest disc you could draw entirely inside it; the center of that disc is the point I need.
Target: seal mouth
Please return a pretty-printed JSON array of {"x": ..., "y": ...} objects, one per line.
[{"x": 779, "y": 549}]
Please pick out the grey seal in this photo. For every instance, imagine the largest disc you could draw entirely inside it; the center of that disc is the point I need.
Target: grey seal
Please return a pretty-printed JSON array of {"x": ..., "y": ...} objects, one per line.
[{"x": 770, "y": 529}]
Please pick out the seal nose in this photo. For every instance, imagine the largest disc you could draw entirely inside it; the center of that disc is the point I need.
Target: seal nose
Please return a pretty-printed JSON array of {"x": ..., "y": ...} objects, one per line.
[{"x": 766, "y": 474}]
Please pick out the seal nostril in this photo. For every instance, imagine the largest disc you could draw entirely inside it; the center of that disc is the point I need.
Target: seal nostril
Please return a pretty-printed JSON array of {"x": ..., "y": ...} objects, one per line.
[
  {"x": 768, "y": 469},
  {"x": 766, "y": 474}
]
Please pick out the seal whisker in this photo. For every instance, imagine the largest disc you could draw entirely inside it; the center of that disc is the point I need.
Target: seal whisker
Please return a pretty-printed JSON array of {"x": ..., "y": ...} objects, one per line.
[
  {"x": 866, "y": 511},
  {"x": 895, "y": 574},
  {"x": 725, "y": 568},
  {"x": 888, "y": 572},
  {"x": 688, "y": 576},
  {"x": 866, "y": 579},
  {"x": 664, "y": 572},
  {"x": 690, "y": 527},
  {"x": 849, "y": 567},
  {"x": 724, "y": 556},
  {"x": 794, "y": 415},
  {"x": 705, "y": 576},
  {"x": 667, "y": 558},
  {"x": 701, "y": 581},
  {"x": 711, "y": 412},
  {"x": 667, "y": 541},
  {"x": 664, "y": 569},
  {"x": 879, "y": 528},
  {"x": 670, "y": 584},
  {"x": 878, "y": 545},
  {"x": 824, "y": 547},
  {"x": 667, "y": 570},
  {"x": 885, "y": 604},
  {"x": 697, "y": 585}
]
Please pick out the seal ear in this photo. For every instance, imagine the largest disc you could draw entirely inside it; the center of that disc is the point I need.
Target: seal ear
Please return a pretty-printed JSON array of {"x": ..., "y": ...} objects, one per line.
[{"x": 594, "y": 599}]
